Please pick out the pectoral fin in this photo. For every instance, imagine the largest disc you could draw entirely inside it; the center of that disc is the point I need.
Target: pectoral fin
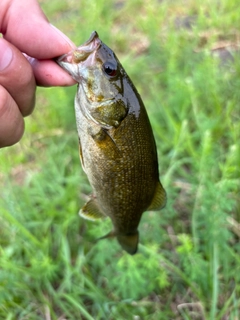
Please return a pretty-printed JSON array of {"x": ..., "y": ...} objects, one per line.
[
  {"x": 81, "y": 154},
  {"x": 105, "y": 142},
  {"x": 160, "y": 198},
  {"x": 91, "y": 211}
]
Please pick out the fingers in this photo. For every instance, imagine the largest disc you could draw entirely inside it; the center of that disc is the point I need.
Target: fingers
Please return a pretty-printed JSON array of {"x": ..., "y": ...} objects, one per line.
[
  {"x": 11, "y": 120},
  {"x": 16, "y": 76},
  {"x": 17, "y": 93},
  {"x": 47, "y": 73},
  {"x": 25, "y": 25},
  {"x": 26, "y": 29}
]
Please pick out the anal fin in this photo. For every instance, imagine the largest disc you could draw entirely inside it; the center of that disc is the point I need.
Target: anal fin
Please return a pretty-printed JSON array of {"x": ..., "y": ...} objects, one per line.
[
  {"x": 128, "y": 242},
  {"x": 91, "y": 211},
  {"x": 159, "y": 199}
]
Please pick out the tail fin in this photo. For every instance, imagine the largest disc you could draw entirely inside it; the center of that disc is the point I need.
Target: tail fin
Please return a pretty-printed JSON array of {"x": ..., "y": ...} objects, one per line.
[{"x": 129, "y": 242}]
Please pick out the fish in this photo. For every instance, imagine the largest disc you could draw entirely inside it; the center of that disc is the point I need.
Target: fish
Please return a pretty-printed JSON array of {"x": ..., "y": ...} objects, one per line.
[{"x": 116, "y": 142}]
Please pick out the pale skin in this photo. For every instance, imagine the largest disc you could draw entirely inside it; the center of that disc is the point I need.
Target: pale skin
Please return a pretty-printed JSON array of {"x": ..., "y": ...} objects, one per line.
[{"x": 25, "y": 29}]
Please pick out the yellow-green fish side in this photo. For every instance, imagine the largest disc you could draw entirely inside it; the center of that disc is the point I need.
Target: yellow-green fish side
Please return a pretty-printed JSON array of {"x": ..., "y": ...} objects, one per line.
[{"x": 117, "y": 146}]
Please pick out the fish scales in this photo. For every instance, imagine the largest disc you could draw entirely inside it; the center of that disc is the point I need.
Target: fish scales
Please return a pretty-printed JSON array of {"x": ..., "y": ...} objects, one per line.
[{"x": 117, "y": 146}]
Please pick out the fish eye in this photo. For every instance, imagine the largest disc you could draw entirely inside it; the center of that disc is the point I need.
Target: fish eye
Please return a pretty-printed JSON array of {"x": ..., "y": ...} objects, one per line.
[{"x": 110, "y": 69}]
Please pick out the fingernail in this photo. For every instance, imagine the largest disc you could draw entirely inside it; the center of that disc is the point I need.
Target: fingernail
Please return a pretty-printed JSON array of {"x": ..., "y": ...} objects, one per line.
[
  {"x": 6, "y": 55},
  {"x": 72, "y": 45}
]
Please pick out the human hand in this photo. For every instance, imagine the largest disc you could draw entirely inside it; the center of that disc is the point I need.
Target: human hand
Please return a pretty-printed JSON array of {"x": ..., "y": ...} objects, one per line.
[{"x": 26, "y": 29}]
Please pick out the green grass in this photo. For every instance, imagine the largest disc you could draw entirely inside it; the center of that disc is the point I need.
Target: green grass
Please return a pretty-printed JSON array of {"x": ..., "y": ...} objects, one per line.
[{"x": 188, "y": 265}]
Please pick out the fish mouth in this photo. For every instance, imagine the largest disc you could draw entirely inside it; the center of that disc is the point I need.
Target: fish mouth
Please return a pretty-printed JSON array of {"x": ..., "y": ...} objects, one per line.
[
  {"x": 93, "y": 41},
  {"x": 82, "y": 52}
]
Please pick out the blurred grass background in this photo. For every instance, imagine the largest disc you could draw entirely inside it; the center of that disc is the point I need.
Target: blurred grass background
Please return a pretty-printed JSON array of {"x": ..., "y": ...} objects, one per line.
[{"x": 183, "y": 56}]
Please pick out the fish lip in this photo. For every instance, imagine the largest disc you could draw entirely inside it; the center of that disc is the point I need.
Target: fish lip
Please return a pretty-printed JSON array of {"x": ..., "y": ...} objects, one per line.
[
  {"x": 93, "y": 36},
  {"x": 82, "y": 52}
]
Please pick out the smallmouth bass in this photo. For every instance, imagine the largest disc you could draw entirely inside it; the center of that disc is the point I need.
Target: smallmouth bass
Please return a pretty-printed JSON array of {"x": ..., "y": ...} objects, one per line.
[{"x": 117, "y": 147}]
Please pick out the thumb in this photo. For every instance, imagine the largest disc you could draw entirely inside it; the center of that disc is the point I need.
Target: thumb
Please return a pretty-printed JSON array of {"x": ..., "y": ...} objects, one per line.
[{"x": 16, "y": 76}]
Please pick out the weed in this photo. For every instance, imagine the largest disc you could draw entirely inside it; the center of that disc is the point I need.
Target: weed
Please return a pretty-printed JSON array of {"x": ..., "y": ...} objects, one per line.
[{"x": 188, "y": 262}]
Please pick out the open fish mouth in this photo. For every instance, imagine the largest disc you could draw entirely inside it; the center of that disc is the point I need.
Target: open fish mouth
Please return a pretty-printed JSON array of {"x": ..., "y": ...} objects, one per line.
[{"x": 82, "y": 52}]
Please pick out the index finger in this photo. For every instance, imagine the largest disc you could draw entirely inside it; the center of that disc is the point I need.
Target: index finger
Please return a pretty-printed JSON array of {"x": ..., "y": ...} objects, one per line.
[{"x": 48, "y": 73}]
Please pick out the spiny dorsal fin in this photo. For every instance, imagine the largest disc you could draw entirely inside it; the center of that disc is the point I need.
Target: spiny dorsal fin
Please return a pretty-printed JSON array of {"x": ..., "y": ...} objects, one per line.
[
  {"x": 160, "y": 198},
  {"x": 91, "y": 211}
]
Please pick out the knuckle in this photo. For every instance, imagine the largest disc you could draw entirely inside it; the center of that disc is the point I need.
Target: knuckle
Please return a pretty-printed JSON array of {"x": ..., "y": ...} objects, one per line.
[
  {"x": 26, "y": 76},
  {"x": 19, "y": 81},
  {"x": 11, "y": 121},
  {"x": 4, "y": 101}
]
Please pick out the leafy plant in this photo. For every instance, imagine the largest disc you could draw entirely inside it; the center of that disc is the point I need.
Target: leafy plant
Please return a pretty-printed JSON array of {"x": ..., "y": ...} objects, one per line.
[{"x": 187, "y": 267}]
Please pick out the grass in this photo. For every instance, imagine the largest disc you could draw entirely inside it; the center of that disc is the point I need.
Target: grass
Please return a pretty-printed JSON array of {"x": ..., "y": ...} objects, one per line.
[{"x": 188, "y": 265}]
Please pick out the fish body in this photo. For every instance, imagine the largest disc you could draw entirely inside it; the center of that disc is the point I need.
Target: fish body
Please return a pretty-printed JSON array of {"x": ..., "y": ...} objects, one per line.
[{"x": 117, "y": 147}]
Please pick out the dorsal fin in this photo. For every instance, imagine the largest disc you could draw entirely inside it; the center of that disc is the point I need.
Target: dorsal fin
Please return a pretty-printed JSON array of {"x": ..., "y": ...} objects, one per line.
[
  {"x": 159, "y": 199},
  {"x": 91, "y": 211}
]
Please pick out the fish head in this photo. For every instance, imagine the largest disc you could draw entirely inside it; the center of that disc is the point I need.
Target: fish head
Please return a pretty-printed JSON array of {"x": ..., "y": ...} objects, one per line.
[{"x": 100, "y": 76}]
